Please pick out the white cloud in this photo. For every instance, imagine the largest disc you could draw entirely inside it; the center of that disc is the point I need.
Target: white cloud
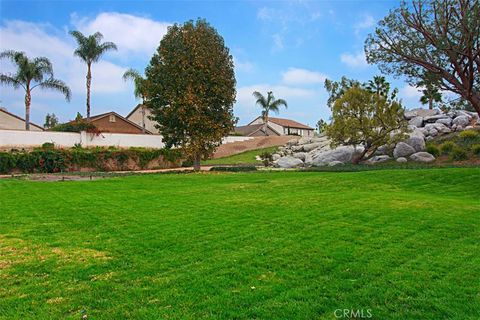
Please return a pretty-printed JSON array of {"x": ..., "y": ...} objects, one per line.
[
  {"x": 132, "y": 34},
  {"x": 302, "y": 76},
  {"x": 42, "y": 40},
  {"x": 367, "y": 22},
  {"x": 243, "y": 66},
  {"x": 277, "y": 42},
  {"x": 410, "y": 92},
  {"x": 357, "y": 60}
]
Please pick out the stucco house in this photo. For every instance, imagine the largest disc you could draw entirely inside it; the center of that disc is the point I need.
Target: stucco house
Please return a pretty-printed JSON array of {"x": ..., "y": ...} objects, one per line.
[
  {"x": 11, "y": 121},
  {"x": 140, "y": 115},
  {"x": 112, "y": 122},
  {"x": 285, "y": 126}
]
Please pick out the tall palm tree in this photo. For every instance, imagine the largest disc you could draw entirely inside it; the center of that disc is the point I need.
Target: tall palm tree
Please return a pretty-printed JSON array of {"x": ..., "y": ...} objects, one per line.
[
  {"x": 30, "y": 74},
  {"x": 90, "y": 49},
  {"x": 430, "y": 89},
  {"x": 139, "y": 91},
  {"x": 268, "y": 104},
  {"x": 378, "y": 85}
]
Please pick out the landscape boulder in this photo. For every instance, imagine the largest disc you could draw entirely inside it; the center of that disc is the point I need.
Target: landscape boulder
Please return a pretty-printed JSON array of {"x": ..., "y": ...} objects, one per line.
[
  {"x": 342, "y": 153},
  {"x": 288, "y": 162},
  {"x": 403, "y": 150},
  {"x": 402, "y": 160},
  {"x": 461, "y": 121},
  {"x": 422, "y": 157},
  {"x": 446, "y": 121},
  {"x": 416, "y": 121},
  {"x": 379, "y": 159}
]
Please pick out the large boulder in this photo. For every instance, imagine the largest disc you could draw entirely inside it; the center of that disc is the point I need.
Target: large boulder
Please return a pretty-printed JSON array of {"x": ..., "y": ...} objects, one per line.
[
  {"x": 288, "y": 162},
  {"x": 416, "y": 121},
  {"x": 276, "y": 156},
  {"x": 311, "y": 146},
  {"x": 422, "y": 157},
  {"x": 439, "y": 127},
  {"x": 342, "y": 153},
  {"x": 402, "y": 150},
  {"x": 299, "y": 155},
  {"x": 420, "y": 112},
  {"x": 461, "y": 121},
  {"x": 416, "y": 140},
  {"x": 433, "y": 119},
  {"x": 445, "y": 121}
]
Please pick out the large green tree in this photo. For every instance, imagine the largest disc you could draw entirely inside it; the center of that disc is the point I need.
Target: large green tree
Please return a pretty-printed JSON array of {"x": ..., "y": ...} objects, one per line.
[
  {"x": 268, "y": 104},
  {"x": 140, "y": 89},
  {"x": 31, "y": 74},
  {"x": 191, "y": 89},
  {"x": 441, "y": 37},
  {"x": 364, "y": 118},
  {"x": 89, "y": 50}
]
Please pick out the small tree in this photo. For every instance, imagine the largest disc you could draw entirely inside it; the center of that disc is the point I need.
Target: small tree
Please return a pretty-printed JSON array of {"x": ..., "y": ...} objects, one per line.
[
  {"x": 429, "y": 86},
  {"x": 51, "y": 121},
  {"x": 268, "y": 104},
  {"x": 191, "y": 89},
  {"x": 30, "y": 74},
  {"x": 321, "y": 126},
  {"x": 363, "y": 118},
  {"x": 441, "y": 37}
]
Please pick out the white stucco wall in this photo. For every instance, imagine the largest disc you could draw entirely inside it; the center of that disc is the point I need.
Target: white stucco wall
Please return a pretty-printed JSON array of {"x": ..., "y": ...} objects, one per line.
[{"x": 28, "y": 139}]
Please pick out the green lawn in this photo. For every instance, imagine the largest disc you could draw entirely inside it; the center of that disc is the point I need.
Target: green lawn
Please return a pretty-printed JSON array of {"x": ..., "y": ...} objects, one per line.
[
  {"x": 267, "y": 245},
  {"x": 247, "y": 157}
]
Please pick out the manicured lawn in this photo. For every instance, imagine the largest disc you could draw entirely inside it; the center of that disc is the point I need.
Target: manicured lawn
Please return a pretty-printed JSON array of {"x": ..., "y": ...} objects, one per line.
[
  {"x": 267, "y": 245},
  {"x": 247, "y": 157}
]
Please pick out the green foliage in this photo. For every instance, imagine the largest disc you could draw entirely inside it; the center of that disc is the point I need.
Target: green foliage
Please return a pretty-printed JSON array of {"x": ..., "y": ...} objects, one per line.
[
  {"x": 469, "y": 136},
  {"x": 447, "y": 147},
  {"x": 77, "y": 125},
  {"x": 48, "y": 159},
  {"x": 266, "y": 157},
  {"x": 458, "y": 154},
  {"x": 476, "y": 149},
  {"x": 321, "y": 126},
  {"x": 268, "y": 104},
  {"x": 48, "y": 146},
  {"x": 191, "y": 88},
  {"x": 51, "y": 120},
  {"x": 433, "y": 150},
  {"x": 360, "y": 117},
  {"x": 234, "y": 169}
]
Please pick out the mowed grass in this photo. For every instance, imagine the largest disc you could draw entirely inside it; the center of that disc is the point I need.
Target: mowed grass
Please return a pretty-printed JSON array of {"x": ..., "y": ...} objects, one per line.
[
  {"x": 247, "y": 157},
  {"x": 404, "y": 244}
]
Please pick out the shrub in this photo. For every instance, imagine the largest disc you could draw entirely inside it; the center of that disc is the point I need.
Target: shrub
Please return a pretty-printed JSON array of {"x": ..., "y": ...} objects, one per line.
[
  {"x": 458, "y": 154},
  {"x": 469, "y": 135},
  {"x": 76, "y": 126},
  {"x": 266, "y": 157},
  {"x": 433, "y": 150},
  {"x": 476, "y": 149},
  {"x": 48, "y": 146},
  {"x": 7, "y": 162},
  {"x": 447, "y": 147},
  {"x": 234, "y": 169}
]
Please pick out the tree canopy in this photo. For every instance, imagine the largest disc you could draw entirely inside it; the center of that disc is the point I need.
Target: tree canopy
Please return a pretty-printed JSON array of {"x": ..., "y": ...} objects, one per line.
[
  {"x": 268, "y": 104},
  {"x": 441, "y": 37},
  {"x": 191, "y": 88}
]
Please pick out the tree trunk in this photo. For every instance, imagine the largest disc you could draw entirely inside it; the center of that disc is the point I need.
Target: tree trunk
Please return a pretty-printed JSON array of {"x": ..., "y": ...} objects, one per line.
[
  {"x": 28, "y": 100},
  {"x": 89, "y": 81},
  {"x": 430, "y": 104},
  {"x": 358, "y": 158},
  {"x": 196, "y": 162},
  {"x": 265, "y": 125},
  {"x": 143, "y": 117},
  {"x": 475, "y": 101}
]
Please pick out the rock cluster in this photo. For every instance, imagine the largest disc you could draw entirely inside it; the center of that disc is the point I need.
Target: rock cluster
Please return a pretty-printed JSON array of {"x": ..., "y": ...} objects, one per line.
[{"x": 423, "y": 125}]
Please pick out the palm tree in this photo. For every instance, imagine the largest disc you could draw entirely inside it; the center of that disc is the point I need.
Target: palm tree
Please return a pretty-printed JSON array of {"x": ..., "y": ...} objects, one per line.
[
  {"x": 268, "y": 104},
  {"x": 30, "y": 74},
  {"x": 139, "y": 91},
  {"x": 90, "y": 49},
  {"x": 378, "y": 85},
  {"x": 429, "y": 86}
]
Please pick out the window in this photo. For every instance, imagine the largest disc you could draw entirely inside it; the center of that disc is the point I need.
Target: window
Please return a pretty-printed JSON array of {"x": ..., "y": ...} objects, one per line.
[{"x": 112, "y": 118}]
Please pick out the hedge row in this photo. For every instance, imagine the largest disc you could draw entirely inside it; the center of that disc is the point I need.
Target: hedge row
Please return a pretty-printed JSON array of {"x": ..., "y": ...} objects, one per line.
[{"x": 49, "y": 159}]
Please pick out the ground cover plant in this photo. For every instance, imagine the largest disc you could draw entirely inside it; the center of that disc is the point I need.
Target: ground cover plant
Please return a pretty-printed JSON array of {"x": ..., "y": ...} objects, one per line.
[{"x": 264, "y": 245}]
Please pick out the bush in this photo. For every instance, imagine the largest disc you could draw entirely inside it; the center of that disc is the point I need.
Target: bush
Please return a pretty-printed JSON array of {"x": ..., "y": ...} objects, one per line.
[
  {"x": 234, "y": 169},
  {"x": 76, "y": 126},
  {"x": 469, "y": 135},
  {"x": 447, "y": 147},
  {"x": 458, "y": 154},
  {"x": 48, "y": 146},
  {"x": 476, "y": 149},
  {"x": 7, "y": 162},
  {"x": 433, "y": 150},
  {"x": 266, "y": 157}
]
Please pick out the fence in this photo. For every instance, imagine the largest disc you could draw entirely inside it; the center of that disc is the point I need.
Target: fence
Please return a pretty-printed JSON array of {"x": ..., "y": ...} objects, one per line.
[{"x": 29, "y": 139}]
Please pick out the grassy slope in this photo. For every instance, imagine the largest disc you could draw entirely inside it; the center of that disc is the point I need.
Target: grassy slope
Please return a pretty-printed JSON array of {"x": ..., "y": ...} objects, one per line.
[
  {"x": 247, "y": 157},
  {"x": 272, "y": 245}
]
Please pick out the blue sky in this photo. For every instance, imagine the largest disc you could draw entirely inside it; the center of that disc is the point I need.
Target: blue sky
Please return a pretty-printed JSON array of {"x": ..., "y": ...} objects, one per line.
[{"x": 288, "y": 47}]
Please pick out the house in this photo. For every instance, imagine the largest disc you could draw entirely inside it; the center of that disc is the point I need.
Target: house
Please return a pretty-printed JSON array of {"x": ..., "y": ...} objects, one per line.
[
  {"x": 285, "y": 126},
  {"x": 140, "y": 115},
  {"x": 112, "y": 122},
  {"x": 255, "y": 130},
  {"x": 13, "y": 122}
]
